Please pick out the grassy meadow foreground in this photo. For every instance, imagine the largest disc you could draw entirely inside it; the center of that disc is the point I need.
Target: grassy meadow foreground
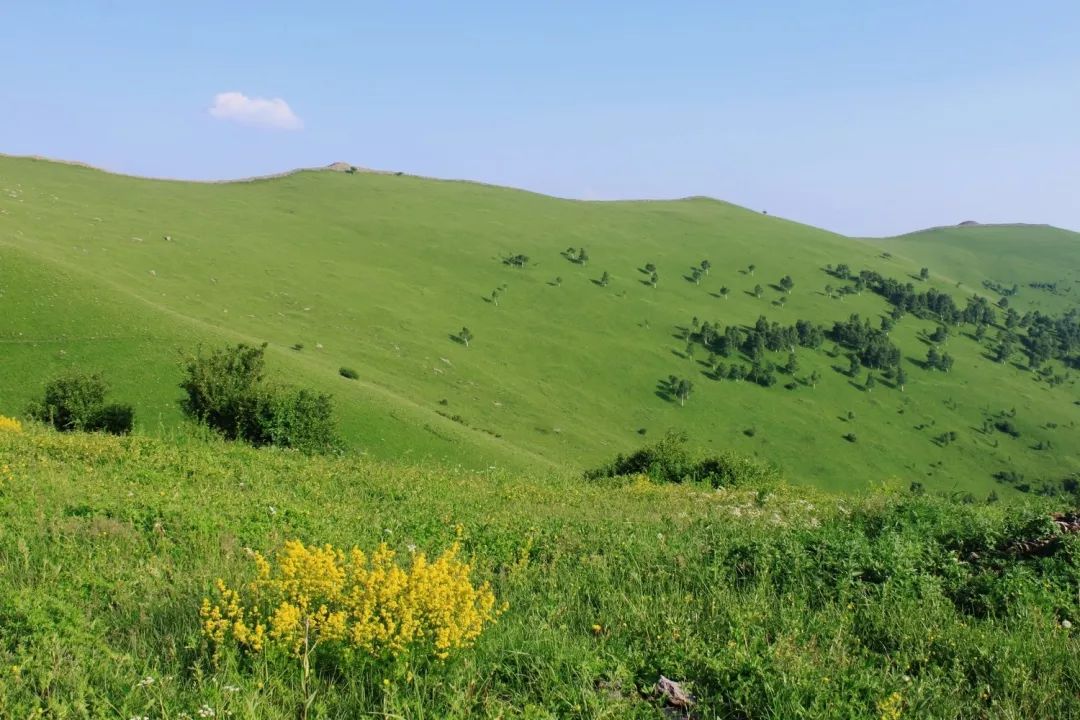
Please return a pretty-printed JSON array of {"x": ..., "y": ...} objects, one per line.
[{"x": 761, "y": 600}]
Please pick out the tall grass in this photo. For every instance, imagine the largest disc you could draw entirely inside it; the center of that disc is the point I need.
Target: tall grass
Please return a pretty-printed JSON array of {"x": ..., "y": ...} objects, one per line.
[{"x": 770, "y": 604}]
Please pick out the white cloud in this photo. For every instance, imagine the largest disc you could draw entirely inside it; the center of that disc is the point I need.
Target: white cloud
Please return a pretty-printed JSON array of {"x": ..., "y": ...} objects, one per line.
[{"x": 255, "y": 111}]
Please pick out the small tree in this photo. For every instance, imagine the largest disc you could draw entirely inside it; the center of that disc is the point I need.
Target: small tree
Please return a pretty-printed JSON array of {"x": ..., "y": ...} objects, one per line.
[
  {"x": 583, "y": 256},
  {"x": 901, "y": 378},
  {"x": 495, "y": 297},
  {"x": 751, "y": 270},
  {"x": 650, "y": 267},
  {"x": 605, "y": 279},
  {"x": 853, "y": 365},
  {"x": 558, "y": 282},
  {"x": 724, "y": 292},
  {"x": 706, "y": 265},
  {"x": 787, "y": 283},
  {"x": 815, "y": 378},
  {"x": 466, "y": 336},
  {"x": 683, "y": 388},
  {"x": 870, "y": 382},
  {"x": 654, "y": 278},
  {"x": 946, "y": 362},
  {"x": 758, "y": 290},
  {"x": 1003, "y": 352},
  {"x": 792, "y": 366},
  {"x": 924, "y": 274},
  {"x": 695, "y": 275}
]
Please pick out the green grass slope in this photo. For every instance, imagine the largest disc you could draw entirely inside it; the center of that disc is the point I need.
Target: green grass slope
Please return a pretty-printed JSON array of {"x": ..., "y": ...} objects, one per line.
[
  {"x": 763, "y": 602},
  {"x": 378, "y": 272},
  {"x": 1004, "y": 254}
]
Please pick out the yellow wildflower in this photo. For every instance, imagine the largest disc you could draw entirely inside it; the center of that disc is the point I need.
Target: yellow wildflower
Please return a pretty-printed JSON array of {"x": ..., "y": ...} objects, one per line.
[
  {"x": 313, "y": 595},
  {"x": 891, "y": 706},
  {"x": 10, "y": 425}
]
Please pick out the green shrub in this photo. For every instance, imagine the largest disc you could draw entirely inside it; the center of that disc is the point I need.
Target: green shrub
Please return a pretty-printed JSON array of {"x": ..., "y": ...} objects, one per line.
[
  {"x": 115, "y": 419},
  {"x": 669, "y": 460},
  {"x": 1007, "y": 427},
  {"x": 227, "y": 391},
  {"x": 76, "y": 401},
  {"x": 297, "y": 418},
  {"x": 349, "y": 373},
  {"x": 223, "y": 389}
]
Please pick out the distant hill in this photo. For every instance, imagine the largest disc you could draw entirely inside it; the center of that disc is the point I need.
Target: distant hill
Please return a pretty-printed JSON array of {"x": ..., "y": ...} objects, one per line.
[
  {"x": 380, "y": 273},
  {"x": 1005, "y": 254}
]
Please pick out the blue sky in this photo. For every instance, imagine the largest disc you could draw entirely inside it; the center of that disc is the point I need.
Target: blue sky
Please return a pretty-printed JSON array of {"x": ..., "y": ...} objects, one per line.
[{"x": 867, "y": 118}]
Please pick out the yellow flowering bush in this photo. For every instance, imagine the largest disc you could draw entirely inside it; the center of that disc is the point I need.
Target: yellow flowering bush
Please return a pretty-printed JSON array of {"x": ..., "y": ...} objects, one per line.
[
  {"x": 891, "y": 707},
  {"x": 10, "y": 425},
  {"x": 309, "y": 596}
]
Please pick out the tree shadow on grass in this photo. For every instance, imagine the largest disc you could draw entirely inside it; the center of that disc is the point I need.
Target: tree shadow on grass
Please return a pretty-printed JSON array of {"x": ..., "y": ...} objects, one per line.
[{"x": 664, "y": 390}]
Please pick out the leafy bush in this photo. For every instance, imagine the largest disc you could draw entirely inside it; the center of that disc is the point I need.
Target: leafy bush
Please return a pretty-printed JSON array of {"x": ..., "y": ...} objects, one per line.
[
  {"x": 296, "y": 418},
  {"x": 669, "y": 460},
  {"x": 349, "y": 373},
  {"x": 76, "y": 401},
  {"x": 115, "y": 418},
  {"x": 223, "y": 390},
  {"x": 227, "y": 391},
  {"x": 1007, "y": 427}
]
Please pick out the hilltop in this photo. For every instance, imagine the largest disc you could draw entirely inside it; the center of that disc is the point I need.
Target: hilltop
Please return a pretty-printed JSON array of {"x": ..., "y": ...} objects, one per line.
[
  {"x": 380, "y": 273},
  {"x": 982, "y": 256}
]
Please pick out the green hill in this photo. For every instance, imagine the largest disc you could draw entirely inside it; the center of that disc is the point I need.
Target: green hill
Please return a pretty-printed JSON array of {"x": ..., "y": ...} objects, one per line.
[
  {"x": 1006, "y": 255},
  {"x": 380, "y": 272}
]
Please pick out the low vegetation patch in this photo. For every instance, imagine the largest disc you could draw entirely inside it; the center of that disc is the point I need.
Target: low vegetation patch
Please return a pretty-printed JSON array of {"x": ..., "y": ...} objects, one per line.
[{"x": 671, "y": 461}]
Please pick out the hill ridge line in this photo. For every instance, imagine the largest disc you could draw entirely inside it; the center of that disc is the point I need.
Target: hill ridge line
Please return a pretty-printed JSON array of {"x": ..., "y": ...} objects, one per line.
[{"x": 343, "y": 167}]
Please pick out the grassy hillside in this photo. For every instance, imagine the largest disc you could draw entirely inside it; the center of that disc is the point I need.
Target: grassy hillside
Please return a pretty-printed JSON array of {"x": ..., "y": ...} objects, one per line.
[
  {"x": 763, "y": 602},
  {"x": 1003, "y": 254},
  {"x": 379, "y": 272}
]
